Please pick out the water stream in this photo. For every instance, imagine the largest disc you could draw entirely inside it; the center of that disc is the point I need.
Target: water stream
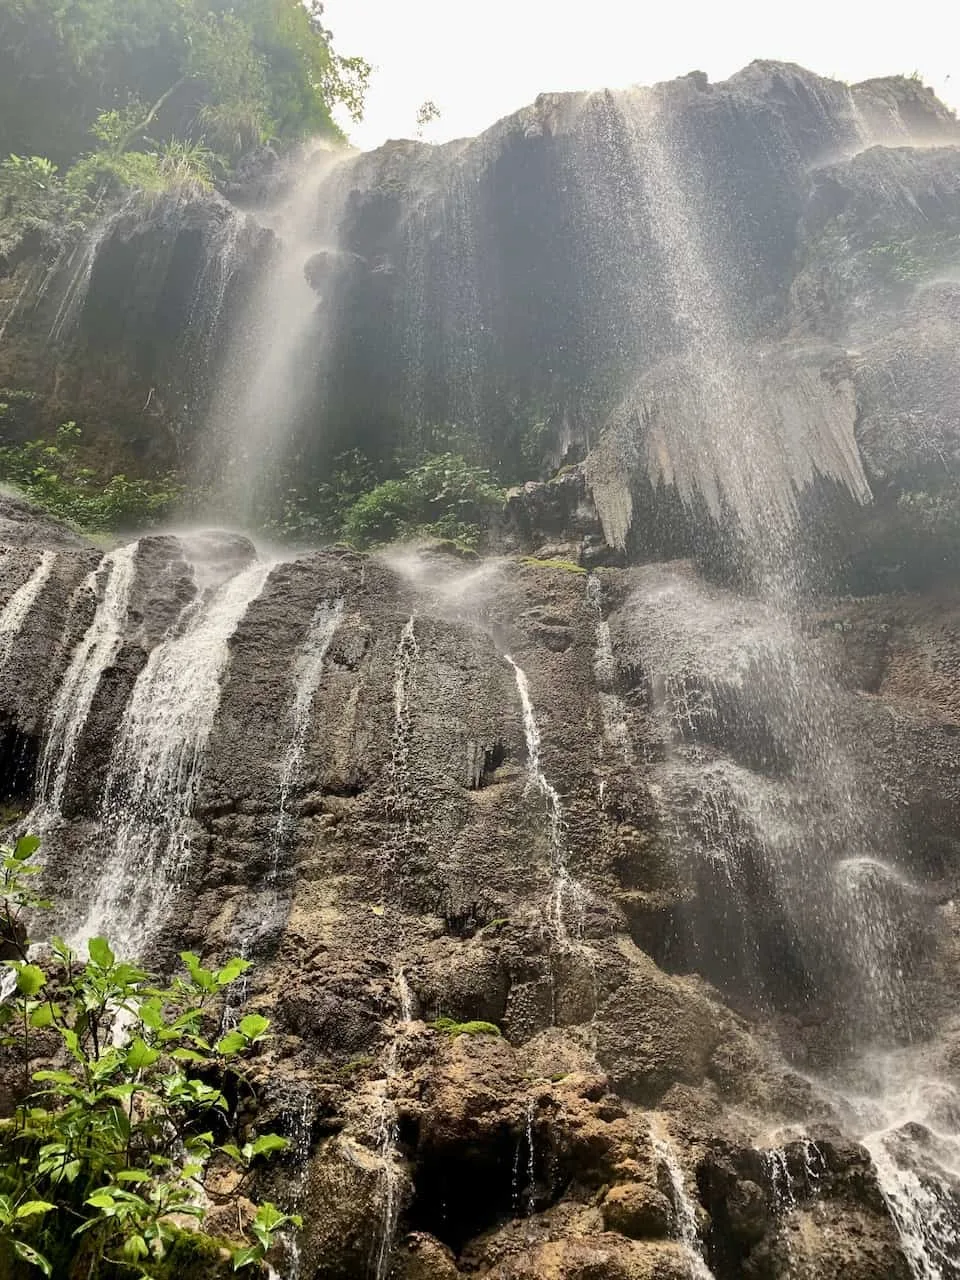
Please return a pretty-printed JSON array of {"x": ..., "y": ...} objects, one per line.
[
  {"x": 16, "y": 611},
  {"x": 112, "y": 582},
  {"x": 156, "y": 766},
  {"x": 308, "y": 672},
  {"x": 563, "y": 884},
  {"x": 274, "y": 354},
  {"x": 684, "y": 1205}
]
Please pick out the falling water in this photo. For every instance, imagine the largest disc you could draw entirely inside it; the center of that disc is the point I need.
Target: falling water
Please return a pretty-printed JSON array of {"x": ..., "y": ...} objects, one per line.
[
  {"x": 684, "y": 1206},
  {"x": 308, "y": 672},
  {"x": 17, "y": 609},
  {"x": 386, "y": 1139},
  {"x": 399, "y": 799},
  {"x": 270, "y": 368},
  {"x": 907, "y": 1118},
  {"x": 92, "y": 656},
  {"x": 563, "y": 883},
  {"x": 612, "y": 710},
  {"x": 157, "y": 763},
  {"x": 710, "y": 420}
]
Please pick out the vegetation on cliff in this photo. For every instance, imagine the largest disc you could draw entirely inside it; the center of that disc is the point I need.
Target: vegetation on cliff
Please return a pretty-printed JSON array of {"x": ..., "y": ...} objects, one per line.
[
  {"x": 106, "y": 1154},
  {"x": 233, "y": 73}
]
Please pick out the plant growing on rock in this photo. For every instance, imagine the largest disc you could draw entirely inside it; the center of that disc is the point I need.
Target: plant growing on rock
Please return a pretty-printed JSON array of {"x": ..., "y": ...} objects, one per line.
[{"x": 106, "y": 1153}]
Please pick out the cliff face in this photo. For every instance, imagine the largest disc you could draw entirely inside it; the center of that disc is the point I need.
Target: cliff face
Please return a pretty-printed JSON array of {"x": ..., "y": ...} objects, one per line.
[{"x": 693, "y": 850}]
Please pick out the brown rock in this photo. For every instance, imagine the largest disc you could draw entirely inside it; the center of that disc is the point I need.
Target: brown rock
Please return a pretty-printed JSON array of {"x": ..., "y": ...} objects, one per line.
[{"x": 637, "y": 1210}]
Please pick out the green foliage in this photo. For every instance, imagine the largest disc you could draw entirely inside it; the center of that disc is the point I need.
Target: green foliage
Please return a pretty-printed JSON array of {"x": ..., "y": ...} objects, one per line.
[
  {"x": 454, "y": 1029},
  {"x": 115, "y": 1137},
  {"x": 566, "y": 566},
  {"x": 173, "y": 68},
  {"x": 55, "y": 475},
  {"x": 443, "y": 497}
]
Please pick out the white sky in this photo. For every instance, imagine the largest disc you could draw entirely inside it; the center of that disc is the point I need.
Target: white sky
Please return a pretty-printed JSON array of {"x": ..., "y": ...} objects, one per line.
[{"x": 480, "y": 59}]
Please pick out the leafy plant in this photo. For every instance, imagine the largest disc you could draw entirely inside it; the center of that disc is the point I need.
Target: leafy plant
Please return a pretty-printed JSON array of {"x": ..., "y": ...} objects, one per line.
[
  {"x": 108, "y": 1150},
  {"x": 55, "y": 475},
  {"x": 445, "y": 497},
  {"x": 454, "y": 1029}
]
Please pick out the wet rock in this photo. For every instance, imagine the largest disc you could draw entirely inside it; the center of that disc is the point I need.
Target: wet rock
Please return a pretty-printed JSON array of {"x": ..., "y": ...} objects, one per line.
[{"x": 637, "y": 1210}]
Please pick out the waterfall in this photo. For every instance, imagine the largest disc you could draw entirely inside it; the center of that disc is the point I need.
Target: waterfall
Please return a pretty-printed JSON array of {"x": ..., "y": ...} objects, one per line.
[
  {"x": 615, "y": 731},
  {"x": 684, "y": 1206},
  {"x": 405, "y": 658},
  {"x": 92, "y": 656},
  {"x": 721, "y": 425},
  {"x": 307, "y": 674},
  {"x": 272, "y": 361},
  {"x": 156, "y": 766},
  {"x": 563, "y": 883},
  {"x": 17, "y": 609}
]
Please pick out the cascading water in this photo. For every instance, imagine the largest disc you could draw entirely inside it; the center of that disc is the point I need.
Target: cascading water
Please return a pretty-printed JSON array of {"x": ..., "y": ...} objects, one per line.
[
  {"x": 615, "y": 732},
  {"x": 684, "y": 1206},
  {"x": 766, "y": 799},
  {"x": 308, "y": 672},
  {"x": 156, "y": 766},
  {"x": 17, "y": 609},
  {"x": 272, "y": 361},
  {"x": 99, "y": 647},
  {"x": 563, "y": 884}
]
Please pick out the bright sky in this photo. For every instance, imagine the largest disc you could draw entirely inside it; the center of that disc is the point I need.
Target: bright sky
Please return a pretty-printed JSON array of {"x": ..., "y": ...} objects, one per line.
[{"x": 480, "y": 59}]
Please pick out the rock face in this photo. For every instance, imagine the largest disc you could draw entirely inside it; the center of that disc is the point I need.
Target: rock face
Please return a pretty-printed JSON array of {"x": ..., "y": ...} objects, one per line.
[
  {"x": 604, "y": 910},
  {"x": 625, "y": 1118}
]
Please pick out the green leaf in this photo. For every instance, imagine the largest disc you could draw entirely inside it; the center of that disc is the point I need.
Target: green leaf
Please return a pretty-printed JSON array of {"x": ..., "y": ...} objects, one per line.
[
  {"x": 33, "y": 1207},
  {"x": 30, "y": 978},
  {"x": 245, "y": 1257},
  {"x": 231, "y": 971},
  {"x": 54, "y": 1077},
  {"x": 132, "y": 1175},
  {"x": 189, "y": 1055},
  {"x": 28, "y": 1254},
  {"x": 233, "y": 1151},
  {"x": 42, "y": 1016},
  {"x": 135, "y": 1248},
  {"x": 102, "y": 1200},
  {"x": 140, "y": 1055},
  {"x": 253, "y": 1026},
  {"x": 233, "y": 1042},
  {"x": 267, "y": 1143},
  {"x": 98, "y": 949},
  {"x": 26, "y": 847}
]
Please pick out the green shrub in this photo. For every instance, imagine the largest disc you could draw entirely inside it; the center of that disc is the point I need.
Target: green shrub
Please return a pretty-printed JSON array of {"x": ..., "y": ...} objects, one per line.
[
  {"x": 111, "y": 1143},
  {"x": 53, "y": 474},
  {"x": 454, "y": 1029},
  {"x": 444, "y": 497}
]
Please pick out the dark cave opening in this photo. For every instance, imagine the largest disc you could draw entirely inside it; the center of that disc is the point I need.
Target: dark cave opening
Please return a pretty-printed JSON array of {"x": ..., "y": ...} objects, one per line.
[{"x": 19, "y": 756}]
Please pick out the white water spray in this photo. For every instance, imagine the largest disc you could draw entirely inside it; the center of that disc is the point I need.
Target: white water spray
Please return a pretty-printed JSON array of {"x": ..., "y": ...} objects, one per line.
[
  {"x": 93, "y": 655},
  {"x": 308, "y": 672},
  {"x": 684, "y": 1205},
  {"x": 157, "y": 763},
  {"x": 563, "y": 884},
  {"x": 17, "y": 609}
]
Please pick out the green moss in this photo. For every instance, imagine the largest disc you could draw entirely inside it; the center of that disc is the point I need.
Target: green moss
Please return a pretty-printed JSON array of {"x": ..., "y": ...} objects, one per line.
[
  {"x": 454, "y": 1029},
  {"x": 567, "y": 566},
  {"x": 192, "y": 1256}
]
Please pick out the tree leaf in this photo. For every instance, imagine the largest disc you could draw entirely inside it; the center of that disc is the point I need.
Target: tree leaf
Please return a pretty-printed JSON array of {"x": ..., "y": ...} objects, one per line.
[
  {"x": 28, "y": 1254},
  {"x": 140, "y": 1055},
  {"x": 268, "y": 1142},
  {"x": 232, "y": 1042},
  {"x": 245, "y": 1257},
  {"x": 26, "y": 847},
  {"x": 98, "y": 949},
  {"x": 30, "y": 978},
  {"x": 33, "y": 1207},
  {"x": 253, "y": 1026},
  {"x": 132, "y": 1175},
  {"x": 42, "y": 1016},
  {"x": 231, "y": 971}
]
